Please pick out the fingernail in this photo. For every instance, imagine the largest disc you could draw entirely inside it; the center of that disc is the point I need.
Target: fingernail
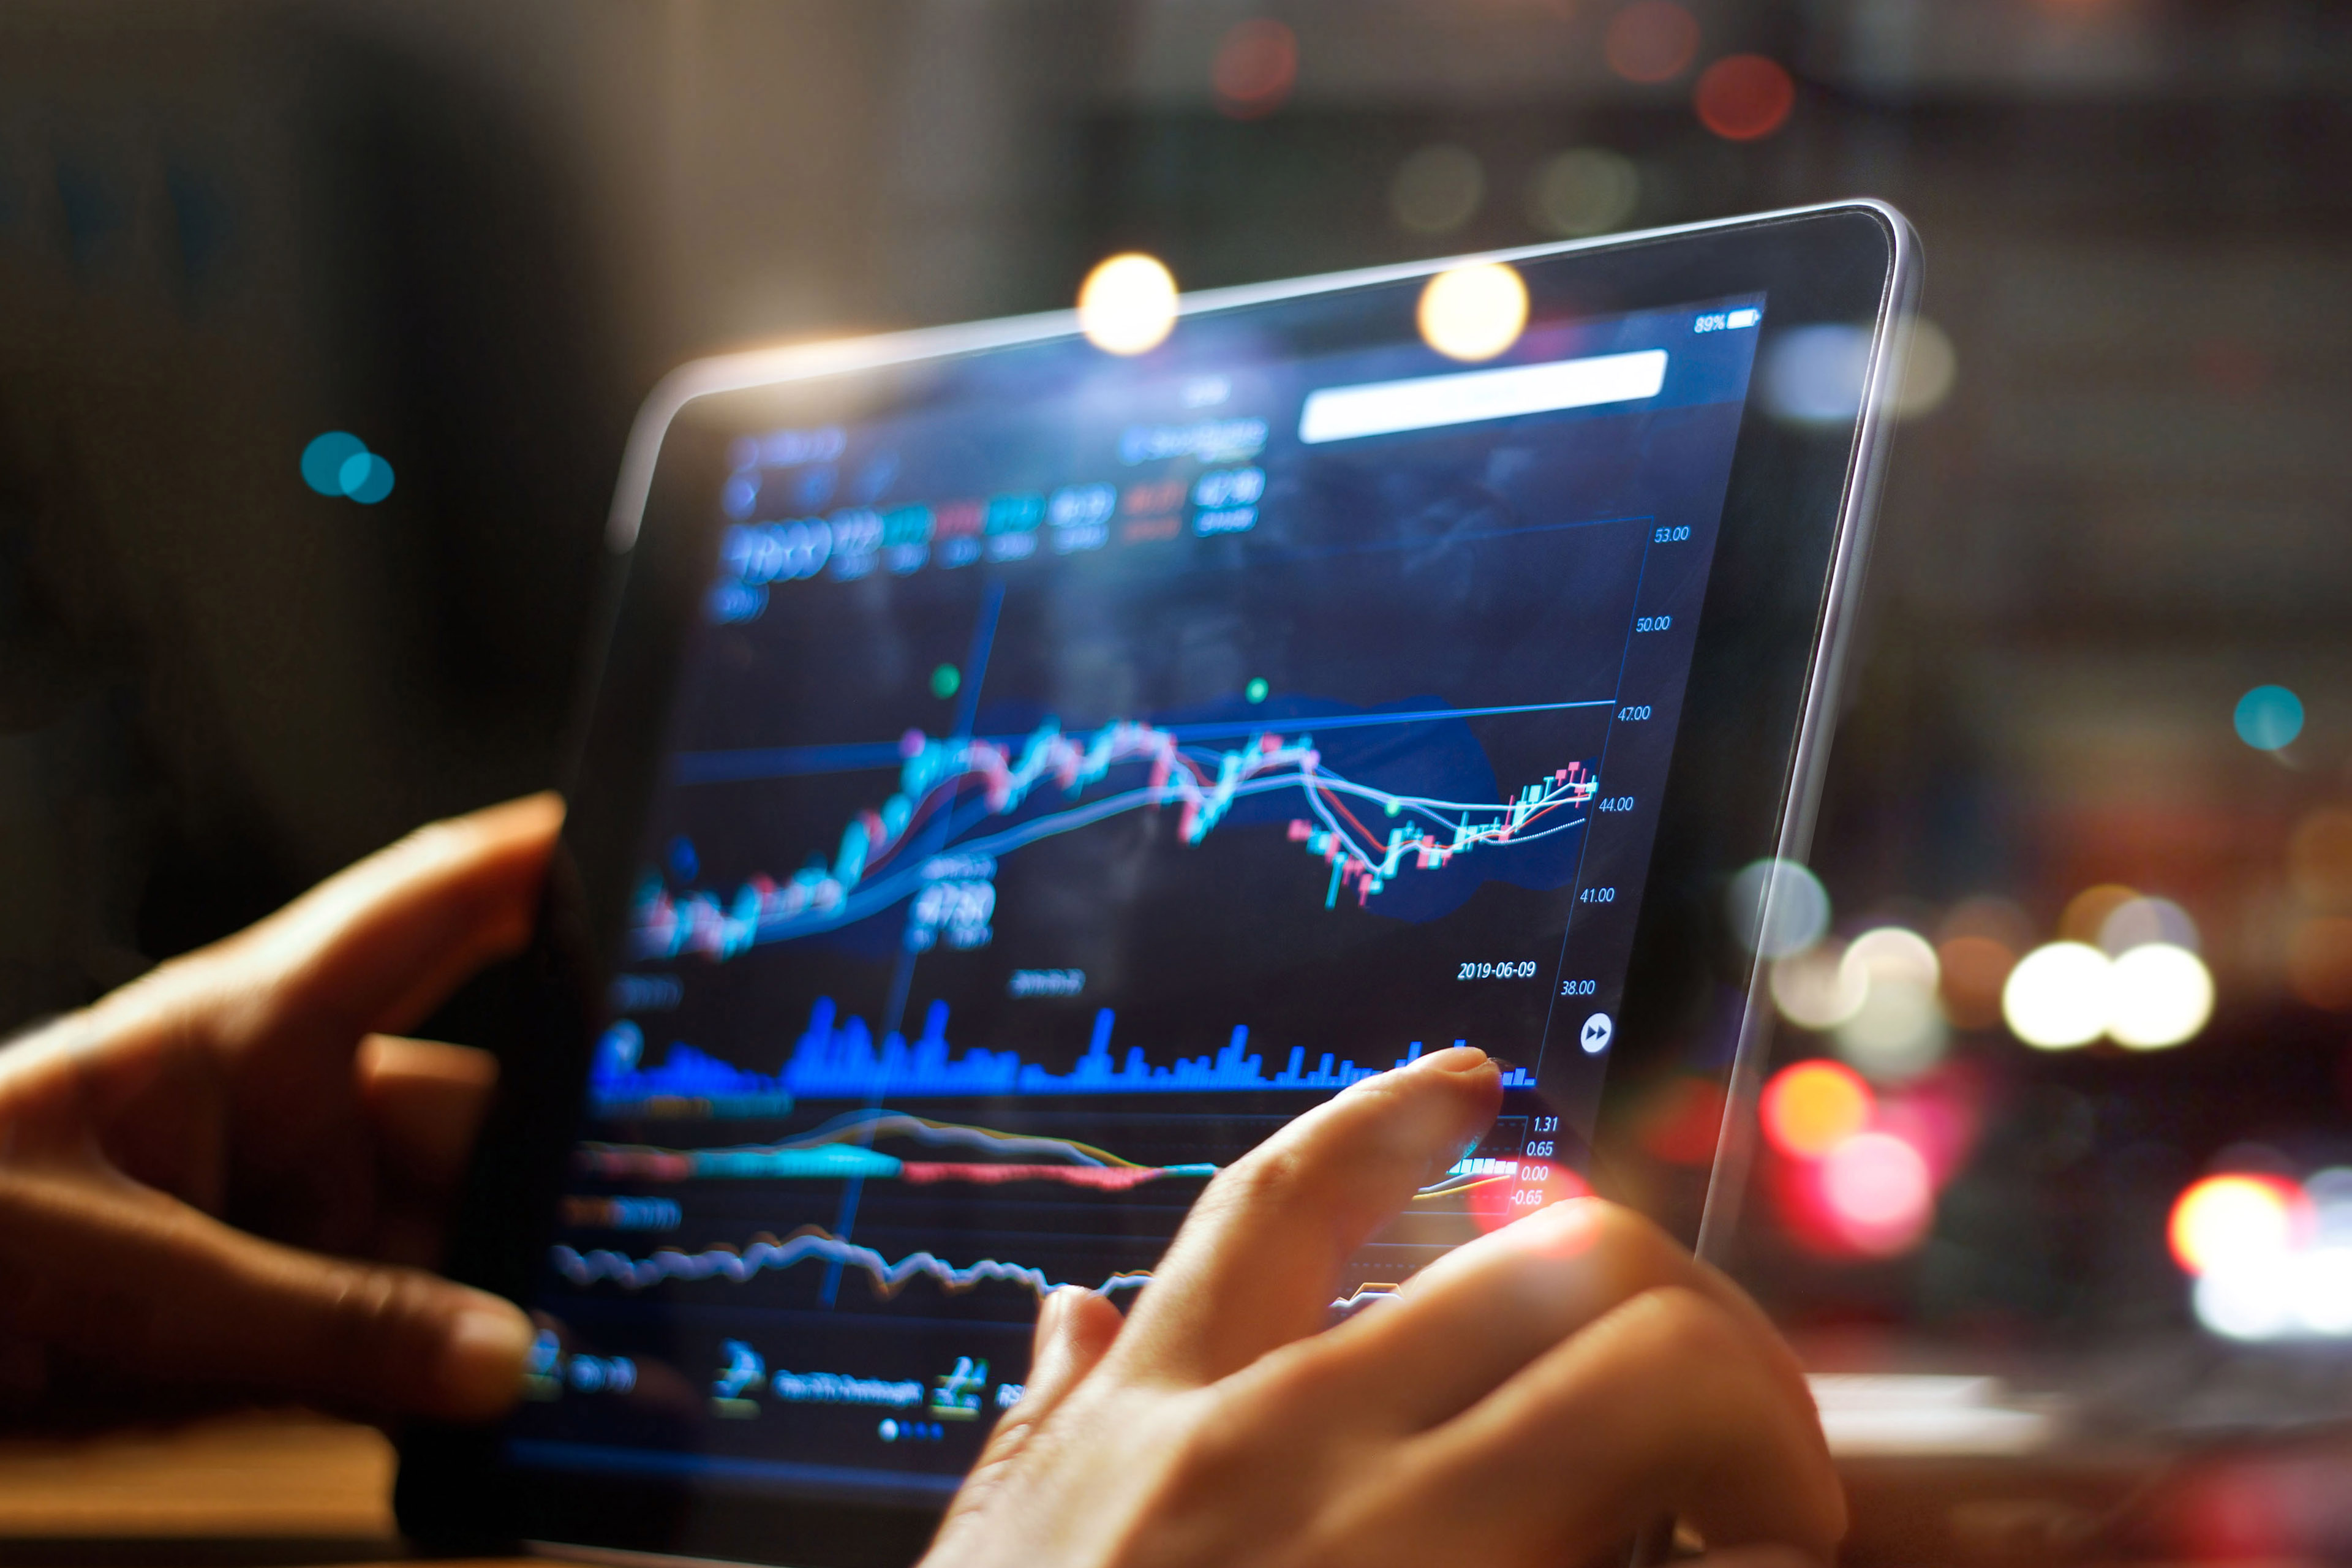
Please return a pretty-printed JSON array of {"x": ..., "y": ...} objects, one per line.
[
  {"x": 480, "y": 1369},
  {"x": 1457, "y": 1058}
]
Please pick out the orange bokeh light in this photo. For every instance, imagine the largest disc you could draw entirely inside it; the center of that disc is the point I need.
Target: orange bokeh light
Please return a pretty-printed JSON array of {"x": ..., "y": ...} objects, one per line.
[
  {"x": 2319, "y": 963},
  {"x": 2238, "y": 1215},
  {"x": 1741, "y": 97},
  {"x": 1256, "y": 66},
  {"x": 1810, "y": 1108},
  {"x": 1650, "y": 41}
]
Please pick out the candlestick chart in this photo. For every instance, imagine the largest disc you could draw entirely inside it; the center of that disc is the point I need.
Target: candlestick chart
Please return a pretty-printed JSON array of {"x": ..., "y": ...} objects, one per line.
[{"x": 963, "y": 801}]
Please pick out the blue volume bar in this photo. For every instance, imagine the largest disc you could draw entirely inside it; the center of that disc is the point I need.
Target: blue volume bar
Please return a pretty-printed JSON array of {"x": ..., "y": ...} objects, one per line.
[{"x": 838, "y": 1058}]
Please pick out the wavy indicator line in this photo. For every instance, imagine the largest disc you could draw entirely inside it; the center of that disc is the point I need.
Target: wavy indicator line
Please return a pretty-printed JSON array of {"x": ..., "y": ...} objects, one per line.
[
  {"x": 872, "y": 868},
  {"x": 808, "y": 1244}
]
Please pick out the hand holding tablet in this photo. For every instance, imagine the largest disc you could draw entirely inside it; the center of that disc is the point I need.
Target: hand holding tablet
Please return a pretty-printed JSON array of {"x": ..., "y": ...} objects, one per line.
[{"x": 1027, "y": 782}]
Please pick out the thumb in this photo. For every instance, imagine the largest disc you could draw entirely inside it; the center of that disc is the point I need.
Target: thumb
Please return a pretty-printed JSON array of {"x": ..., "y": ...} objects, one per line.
[{"x": 137, "y": 1282}]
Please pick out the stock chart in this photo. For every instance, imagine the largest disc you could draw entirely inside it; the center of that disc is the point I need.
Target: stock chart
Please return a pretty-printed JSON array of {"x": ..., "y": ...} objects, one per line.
[{"x": 1064, "y": 793}]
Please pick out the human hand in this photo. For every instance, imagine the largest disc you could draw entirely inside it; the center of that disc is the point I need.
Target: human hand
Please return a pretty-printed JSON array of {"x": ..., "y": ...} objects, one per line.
[
  {"x": 260, "y": 1083},
  {"x": 1533, "y": 1397}
]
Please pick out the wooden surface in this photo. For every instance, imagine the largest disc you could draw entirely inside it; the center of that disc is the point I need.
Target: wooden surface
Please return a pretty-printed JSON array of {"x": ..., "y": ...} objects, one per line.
[{"x": 275, "y": 1490}]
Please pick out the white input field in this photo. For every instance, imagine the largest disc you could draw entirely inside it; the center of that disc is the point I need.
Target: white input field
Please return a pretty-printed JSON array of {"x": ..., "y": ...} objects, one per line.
[{"x": 1425, "y": 403}]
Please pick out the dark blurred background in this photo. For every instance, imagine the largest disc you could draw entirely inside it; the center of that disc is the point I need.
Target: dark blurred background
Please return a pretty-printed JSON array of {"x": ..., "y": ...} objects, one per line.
[{"x": 474, "y": 235}]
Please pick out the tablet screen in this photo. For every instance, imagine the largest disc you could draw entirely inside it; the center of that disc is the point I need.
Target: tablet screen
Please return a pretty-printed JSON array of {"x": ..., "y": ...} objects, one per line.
[{"x": 1081, "y": 765}]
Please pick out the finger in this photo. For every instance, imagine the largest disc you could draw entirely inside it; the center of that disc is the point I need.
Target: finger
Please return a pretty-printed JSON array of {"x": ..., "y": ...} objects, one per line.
[
  {"x": 1499, "y": 1302},
  {"x": 379, "y": 945},
  {"x": 426, "y": 1101},
  {"x": 125, "y": 1278},
  {"x": 1664, "y": 1406},
  {"x": 1075, "y": 1329},
  {"x": 1256, "y": 1261}
]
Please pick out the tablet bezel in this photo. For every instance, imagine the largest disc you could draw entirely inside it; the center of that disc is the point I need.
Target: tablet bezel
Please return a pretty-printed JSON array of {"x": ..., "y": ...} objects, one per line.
[{"x": 1767, "y": 664}]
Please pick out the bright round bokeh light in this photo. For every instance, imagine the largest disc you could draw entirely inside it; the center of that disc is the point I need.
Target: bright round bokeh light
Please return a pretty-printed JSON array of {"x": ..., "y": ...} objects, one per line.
[
  {"x": 1815, "y": 990},
  {"x": 2059, "y": 995},
  {"x": 1127, "y": 304},
  {"x": 2269, "y": 718},
  {"x": 1473, "y": 311},
  {"x": 2247, "y": 1302},
  {"x": 2232, "y": 1221},
  {"x": 1778, "y": 908},
  {"x": 2162, "y": 996},
  {"x": 1880, "y": 1191},
  {"x": 1898, "y": 1031},
  {"x": 1810, "y": 1108}
]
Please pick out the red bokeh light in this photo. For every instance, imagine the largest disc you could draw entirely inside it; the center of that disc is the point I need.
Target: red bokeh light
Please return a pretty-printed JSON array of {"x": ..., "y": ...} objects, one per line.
[
  {"x": 1256, "y": 66},
  {"x": 1879, "y": 1191},
  {"x": 1650, "y": 41},
  {"x": 1743, "y": 97}
]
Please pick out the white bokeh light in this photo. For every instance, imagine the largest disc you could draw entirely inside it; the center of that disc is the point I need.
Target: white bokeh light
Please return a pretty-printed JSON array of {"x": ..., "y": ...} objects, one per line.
[
  {"x": 2060, "y": 996},
  {"x": 1814, "y": 990},
  {"x": 1899, "y": 1029},
  {"x": 1778, "y": 908},
  {"x": 1127, "y": 304},
  {"x": 2162, "y": 996},
  {"x": 1473, "y": 311}
]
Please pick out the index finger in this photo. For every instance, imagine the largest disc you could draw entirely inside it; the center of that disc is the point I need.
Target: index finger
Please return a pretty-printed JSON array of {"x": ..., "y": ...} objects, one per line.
[
  {"x": 1254, "y": 1264},
  {"x": 378, "y": 945}
]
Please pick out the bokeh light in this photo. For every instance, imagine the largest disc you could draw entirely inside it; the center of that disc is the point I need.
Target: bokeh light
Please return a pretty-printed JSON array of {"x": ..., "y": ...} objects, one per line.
[
  {"x": 2273, "y": 1259},
  {"x": 1810, "y": 1108},
  {"x": 1473, "y": 311},
  {"x": 1650, "y": 41},
  {"x": 1127, "y": 304},
  {"x": 2085, "y": 915},
  {"x": 1898, "y": 1031},
  {"x": 2137, "y": 921},
  {"x": 1255, "y": 68},
  {"x": 2269, "y": 718},
  {"x": 2059, "y": 995},
  {"x": 338, "y": 463},
  {"x": 1814, "y": 375},
  {"x": 1973, "y": 970},
  {"x": 1585, "y": 190},
  {"x": 1930, "y": 367},
  {"x": 2230, "y": 1220},
  {"x": 1438, "y": 189},
  {"x": 323, "y": 460},
  {"x": 1744, "y": 98},
  {"x": 2319, "y": 963},
  {"x": 2160, "y": 996},
  {"x": 367, "y": 478},
  {"x": 2319, "y": 859},
  {"x": 1879, "y": 1189},
  {"x": 1776, "y": 908},
  {"x": 1814, "y": 990}
]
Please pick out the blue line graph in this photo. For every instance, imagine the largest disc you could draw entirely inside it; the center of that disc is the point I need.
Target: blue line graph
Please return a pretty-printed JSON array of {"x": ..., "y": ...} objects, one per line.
[
  {"x": 807, "y": 1245},
  {"x": 787, "y": 761},
  {"x": 836, "y": 1058},
  {"x": 871, "y": 871}
]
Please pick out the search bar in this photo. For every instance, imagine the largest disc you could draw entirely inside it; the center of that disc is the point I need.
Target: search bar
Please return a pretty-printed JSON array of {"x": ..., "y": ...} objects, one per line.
[{"x": 1425, "y": 403}]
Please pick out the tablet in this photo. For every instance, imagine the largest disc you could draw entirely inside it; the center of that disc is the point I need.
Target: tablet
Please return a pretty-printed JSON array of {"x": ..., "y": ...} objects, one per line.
[{"x": 1022, "y": 775}]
